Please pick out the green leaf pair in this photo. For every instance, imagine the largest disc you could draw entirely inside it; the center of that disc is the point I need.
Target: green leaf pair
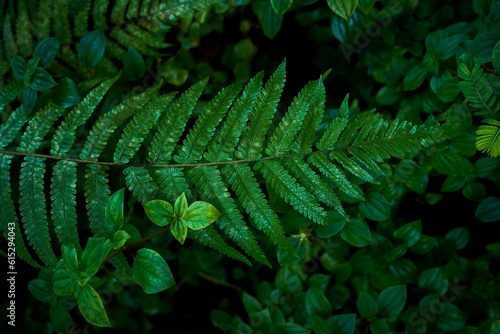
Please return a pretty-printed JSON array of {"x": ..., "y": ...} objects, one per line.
[
  {"x": 73, "y": 276},
  {"x": 196, "y": 216}
]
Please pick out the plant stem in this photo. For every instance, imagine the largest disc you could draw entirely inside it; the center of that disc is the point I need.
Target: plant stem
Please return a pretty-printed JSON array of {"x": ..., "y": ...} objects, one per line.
[
  {"x": 135, "y": 243},
  {"x": 218, "y": 282}
]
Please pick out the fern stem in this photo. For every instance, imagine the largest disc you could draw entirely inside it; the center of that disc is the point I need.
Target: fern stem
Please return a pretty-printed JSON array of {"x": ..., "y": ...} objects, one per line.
[{"x": 112, "y": 255}]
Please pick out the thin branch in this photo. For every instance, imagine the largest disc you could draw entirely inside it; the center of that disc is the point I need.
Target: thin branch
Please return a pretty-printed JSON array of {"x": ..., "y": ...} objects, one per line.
[{"x": 135, "y": 243}]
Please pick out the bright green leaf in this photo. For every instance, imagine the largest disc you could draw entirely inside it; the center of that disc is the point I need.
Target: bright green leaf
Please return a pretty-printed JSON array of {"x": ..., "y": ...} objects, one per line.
[
  {"x": 94, "y": 253},
  {"x": 70, "y": 258},
  {"x": 159, "y": 212},
  {"x": 201, "y": 214},
  {"x": 114, "y": 210},
  {"x": 91, "y": 307},
  {"x": 180, "y": 206},
  {"x": 179, "y": 229},
  {"x": 151, "y": 271},
  {"x": 120, "y": 238},
  {"x": 343, "y": 8}
]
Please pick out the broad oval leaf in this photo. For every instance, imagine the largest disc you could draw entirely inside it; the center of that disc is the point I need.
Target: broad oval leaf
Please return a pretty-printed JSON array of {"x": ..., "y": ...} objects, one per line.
[
  {"x": 433, "y": 279},
  {"x": 281, "y": 6},
  {"x": 489, "y": 210},
  {"x": 66, "y": 93},
  {"x": 180, "y": 206},
  {"x": 159, "y": 212},
  {"x": 201, "y": 214},
  {"x": 392, "y": 300},
  {"x": 133, "y": 65},
  {"x": 114, "y": 210},
  {"x": 271, "y": 22},
  {"x": 70, "y": 258},
  {"x": 457, "y": 238},
  {"x": 91, "y": 307},
  {"x": 47, "y": 50},
  {"x": 91, "y": 48},
  {"x": 18, "y": 65},
  {"x": 317, "y": 303},
  {"x": 451, "y": 319},
  {"x": 342, "y": 323},
  {"x": 179, "y": 229},
  {"x": 375, "y": 207},
  {"x": 409, "y": 233},
  {"x": 343, "y": 8},
  {"x": 151, "y": 271},
  {"x": 41, "y": 80},
  {"x": 357, "y": 233},
  {"x": 367, "y": 306},
  {"x": 415, "y": 77}
]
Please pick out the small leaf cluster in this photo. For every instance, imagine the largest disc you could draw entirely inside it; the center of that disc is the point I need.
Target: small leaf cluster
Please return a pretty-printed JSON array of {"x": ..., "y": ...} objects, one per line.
[{"x": 196, "y": 216}]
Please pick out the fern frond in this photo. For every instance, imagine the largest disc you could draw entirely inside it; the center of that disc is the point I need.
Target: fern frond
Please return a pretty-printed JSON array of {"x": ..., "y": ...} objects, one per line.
[
  {"x": 314, "y": 184},
  {"x": 477, "y": 89},
  {"x": 63, "y": 190},
  {"x": 32, "y": 201},
  {"x": 208, "y": 236},
  {"x": 488, "y": 140},
  {"x": 141, "y": 184},
  {"x": 97, "y": 195},
  {"x": 81, "y": 20},
  {"x": 38, "y": 128},
  {"x": 212, "y": 190},
  {"x": 251, "y": 143},
  {"x": 61, "y": 22},
  {"x": 9, "y": 129},
  {"x": 99, "y": 11},
  {"x": 65, "y": 134},
  {"x": 10, "y": 92},
  {"x": 8, "y": 213},
  {"x": 23, "y": 34},
  {"x": 172, "y": 182},
  {"x": 291, "y": 191},
  {"x": 204, "y": 127},
  {"x": 335, "y": 128},
  {"x": 43, "y": 20},
  {"x": 282, "y": 138},
  {"x": 33, "y": 211},
  {"x": 9, "y": 38},
  {"x": 118, "y": 12},
  {"x": 254, "y": 201},
  {"x": 139, "y": 127},
  {"x": 312, "y": 120},
  {"x": 334, "y": 174},
  {"x": 109, "y": 122},
  {"x": 223, "y": 147},
  {"x": 172, "y": 124}
]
